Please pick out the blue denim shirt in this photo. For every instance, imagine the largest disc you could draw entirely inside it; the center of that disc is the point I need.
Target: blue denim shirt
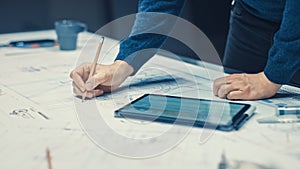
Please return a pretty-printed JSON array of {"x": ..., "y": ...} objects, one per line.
[{"x": 284, "y": 55}]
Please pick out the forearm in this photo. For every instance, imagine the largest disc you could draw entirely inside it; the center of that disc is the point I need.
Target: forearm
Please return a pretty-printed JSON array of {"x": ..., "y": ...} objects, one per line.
[
  {"x": 149, "y": 31},
  {"x": 284, "y": 56}
]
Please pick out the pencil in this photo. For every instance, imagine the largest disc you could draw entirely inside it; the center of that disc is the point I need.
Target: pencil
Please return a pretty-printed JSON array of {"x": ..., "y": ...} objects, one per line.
[
  {"x": 94, "y": 64},
  {"x": 49, "y": 159}
]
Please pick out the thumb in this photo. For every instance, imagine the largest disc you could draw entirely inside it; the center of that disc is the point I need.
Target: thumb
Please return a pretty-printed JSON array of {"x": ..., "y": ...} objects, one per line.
[{"x": 95, "y": 81}]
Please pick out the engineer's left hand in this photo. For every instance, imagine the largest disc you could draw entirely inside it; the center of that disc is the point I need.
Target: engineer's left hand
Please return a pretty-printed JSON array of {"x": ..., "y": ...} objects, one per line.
[{"x": 245, "y": 87}]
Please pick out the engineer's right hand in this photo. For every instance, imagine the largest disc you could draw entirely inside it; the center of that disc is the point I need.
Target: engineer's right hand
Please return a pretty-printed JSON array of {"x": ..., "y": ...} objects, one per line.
[{"x": 106, "y": 78}]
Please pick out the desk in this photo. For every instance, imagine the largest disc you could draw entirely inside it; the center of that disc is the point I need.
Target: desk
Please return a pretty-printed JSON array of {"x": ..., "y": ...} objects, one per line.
[{"x": 38, "y": 80}]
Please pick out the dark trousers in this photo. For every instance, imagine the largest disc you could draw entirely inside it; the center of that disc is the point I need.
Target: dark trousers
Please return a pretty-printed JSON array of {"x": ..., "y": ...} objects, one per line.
[{"x": 248, "y": 42}]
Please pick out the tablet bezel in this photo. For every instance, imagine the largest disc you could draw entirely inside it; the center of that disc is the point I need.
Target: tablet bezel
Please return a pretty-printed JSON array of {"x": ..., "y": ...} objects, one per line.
[{"x": 245, "y": 113}]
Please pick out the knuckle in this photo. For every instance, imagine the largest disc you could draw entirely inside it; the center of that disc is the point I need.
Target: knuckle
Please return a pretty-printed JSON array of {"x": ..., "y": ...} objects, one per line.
[
  {"x": 215, "y": 88},
  {"x": 107, "y": 76},
  {"x": 215, "y": 83},
  {"x": 77, "y": 71},
  {"x": 72, "y": 74},
  {"x": 221, "y": 92},
  {"x": 233, "y": 76},
  {"x": 229, "y": 96}
]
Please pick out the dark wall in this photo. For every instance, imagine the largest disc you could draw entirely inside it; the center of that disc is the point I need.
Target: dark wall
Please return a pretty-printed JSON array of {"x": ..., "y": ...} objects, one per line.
[
  {"x": 211, "y": 16},
  {"x": 30, "y": 15}
]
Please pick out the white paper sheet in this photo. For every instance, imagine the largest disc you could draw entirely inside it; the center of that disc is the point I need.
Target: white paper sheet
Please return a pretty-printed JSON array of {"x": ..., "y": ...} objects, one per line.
[{"x": 38, "y": 81}]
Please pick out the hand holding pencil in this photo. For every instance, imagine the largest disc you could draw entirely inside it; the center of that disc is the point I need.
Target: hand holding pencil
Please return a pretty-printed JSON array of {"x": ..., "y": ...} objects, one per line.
[
  {"x": 92, "y": 79},
  {"x": 94, "y": 64}
]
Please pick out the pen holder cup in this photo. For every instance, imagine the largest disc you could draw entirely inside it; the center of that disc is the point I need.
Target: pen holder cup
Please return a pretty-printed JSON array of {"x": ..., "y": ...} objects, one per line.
[{"x": 67, "y": 32}]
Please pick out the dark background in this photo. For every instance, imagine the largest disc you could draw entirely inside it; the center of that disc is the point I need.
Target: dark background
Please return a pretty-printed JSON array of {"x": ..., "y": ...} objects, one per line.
[{"x": 211, "y": 16}]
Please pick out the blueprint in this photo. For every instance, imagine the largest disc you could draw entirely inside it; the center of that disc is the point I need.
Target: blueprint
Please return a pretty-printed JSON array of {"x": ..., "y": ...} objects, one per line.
[
  {"x": 37, "y": 112},
  {"x": 286, "y": 96}
]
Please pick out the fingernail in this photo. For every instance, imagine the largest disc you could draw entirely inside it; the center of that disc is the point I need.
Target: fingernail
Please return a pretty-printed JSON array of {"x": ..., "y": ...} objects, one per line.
[{"x": 89, "y": 86}]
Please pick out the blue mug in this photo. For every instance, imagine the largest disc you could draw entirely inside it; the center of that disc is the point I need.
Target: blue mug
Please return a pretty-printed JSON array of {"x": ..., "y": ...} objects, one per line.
[{"x": 67, "y": 32}]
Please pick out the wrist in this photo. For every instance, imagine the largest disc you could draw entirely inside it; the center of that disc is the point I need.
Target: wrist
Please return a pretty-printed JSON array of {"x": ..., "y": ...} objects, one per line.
[
  {"x": 124, "y": 67},
  {"x": 269, "y": 83}
]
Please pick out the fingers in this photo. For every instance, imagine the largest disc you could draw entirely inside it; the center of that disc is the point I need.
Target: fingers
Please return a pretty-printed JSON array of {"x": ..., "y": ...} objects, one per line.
[
  {"x": 237, "y": 95},
  {"x": 94, "y": 93},
  {"x": 96, "y": 80},
  {"x": 217, "y": 84},
  {"x": 224, "y": 86},
  {"x": 225, "y": 89},
  {"x": 81, "y": 83},
  {"x": 80, "y": 75},
  {"x": 89, "y": 94},
  {"x": 78, "y": 81},
  {"x": 107, "y": 88},
  {"x": 76, "y": 90},
  {"x": 106, "y": 78}
]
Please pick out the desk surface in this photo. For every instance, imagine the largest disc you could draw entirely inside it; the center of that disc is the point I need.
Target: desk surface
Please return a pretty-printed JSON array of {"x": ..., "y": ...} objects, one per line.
[{"x": 37, "y": 112}]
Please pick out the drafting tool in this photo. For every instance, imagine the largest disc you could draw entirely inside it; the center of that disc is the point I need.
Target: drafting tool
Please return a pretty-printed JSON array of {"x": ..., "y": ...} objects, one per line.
[
  {"x": 286, "y": 110},
  {"x": 94, "y": 64}
]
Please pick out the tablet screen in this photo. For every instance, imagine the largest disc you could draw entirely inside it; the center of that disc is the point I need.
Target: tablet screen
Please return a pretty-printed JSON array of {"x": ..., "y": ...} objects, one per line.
[{"x": 160, "y": 106}]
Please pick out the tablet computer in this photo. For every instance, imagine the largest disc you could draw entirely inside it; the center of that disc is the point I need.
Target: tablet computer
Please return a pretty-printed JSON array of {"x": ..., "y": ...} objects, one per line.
[{"x": 221, "y": 115}]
